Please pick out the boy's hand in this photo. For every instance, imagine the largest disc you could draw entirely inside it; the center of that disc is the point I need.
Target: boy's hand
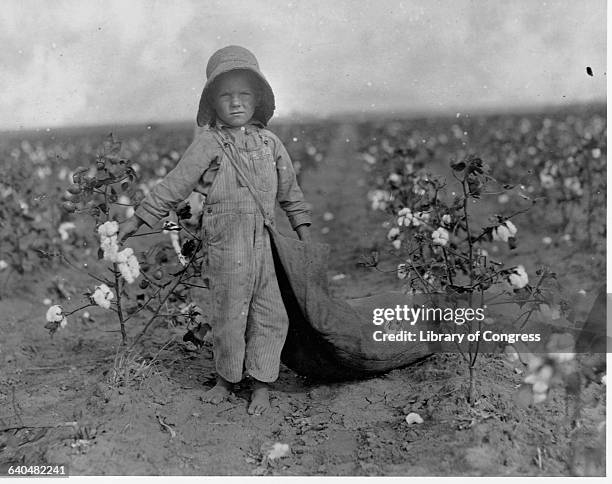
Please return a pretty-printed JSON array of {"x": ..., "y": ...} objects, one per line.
[
  {"x": 127, "y": 228},
  {"x": 303, "y": 232}
]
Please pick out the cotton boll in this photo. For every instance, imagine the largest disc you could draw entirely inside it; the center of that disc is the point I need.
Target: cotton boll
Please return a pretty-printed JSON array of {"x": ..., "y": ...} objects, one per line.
[
  {"x": 395, "y": 179},
  {"x": 402, "y": 271},
  {"x": 110, "y": 247},
  {"x": 413, "y": 418},
  {"x": 511, "y": 228},
  {"x": 55, "y": 314},
  {"x": 440, "y": 236},
  {"x": 501, "y": 233},
  {"x": 122, "y": 257},
  {"x": 278, "y": 450},
  {"x": 368, "y": 158},
  {"x": 64, "y": 228},
  {"x": 539, "y": 397},
  {"x": 102, "y": 296},
  {"x": 546, "y": 180},
  {"x": 126, "y": 272},
  {"x": 518, "y": 279},
  {"x": 108, "y": 229},
  {"x": 128, "y": 265},
  {"x": 393, "y": 233}
]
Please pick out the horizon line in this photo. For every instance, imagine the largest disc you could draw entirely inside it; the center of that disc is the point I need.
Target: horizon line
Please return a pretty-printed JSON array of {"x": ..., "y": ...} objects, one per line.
[{"x": 334, "y": 117}]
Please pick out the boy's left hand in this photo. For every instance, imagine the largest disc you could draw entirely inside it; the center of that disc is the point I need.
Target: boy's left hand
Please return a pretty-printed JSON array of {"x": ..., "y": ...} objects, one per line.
[{"x": 303, "y": 233}]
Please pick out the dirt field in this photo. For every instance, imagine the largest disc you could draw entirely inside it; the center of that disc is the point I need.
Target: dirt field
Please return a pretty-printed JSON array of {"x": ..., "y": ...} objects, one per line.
[{"x": 159, "y": 426}]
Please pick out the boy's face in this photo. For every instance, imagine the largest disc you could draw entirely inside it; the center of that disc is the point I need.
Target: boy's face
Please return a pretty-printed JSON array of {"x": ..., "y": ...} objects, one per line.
[{"x": 234, "y": 98}]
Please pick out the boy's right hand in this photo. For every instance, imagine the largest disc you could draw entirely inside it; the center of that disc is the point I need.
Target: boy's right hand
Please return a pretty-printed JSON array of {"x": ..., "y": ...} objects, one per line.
[{"x": 128, "y": 227}]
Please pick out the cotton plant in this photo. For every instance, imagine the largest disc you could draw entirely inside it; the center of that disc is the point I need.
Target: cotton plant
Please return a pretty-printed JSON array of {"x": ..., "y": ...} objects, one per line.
[
  {"x": 442, "y": 250},
  {"x": 526, "y": 185},
  {"x": 575, "y": 181},
  {"x": 562, "y": 164},
  {"x": 138, "y": 281},
  {"x": 28, "y": 218}
]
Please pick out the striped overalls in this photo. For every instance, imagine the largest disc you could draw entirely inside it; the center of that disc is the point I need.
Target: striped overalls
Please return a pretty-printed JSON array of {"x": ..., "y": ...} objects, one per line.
[{"x": 249, "y": 321}]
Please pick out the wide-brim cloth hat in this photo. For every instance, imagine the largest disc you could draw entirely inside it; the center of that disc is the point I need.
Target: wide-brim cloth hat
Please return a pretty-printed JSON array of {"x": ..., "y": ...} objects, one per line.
[{"x": 231, "y": 58}]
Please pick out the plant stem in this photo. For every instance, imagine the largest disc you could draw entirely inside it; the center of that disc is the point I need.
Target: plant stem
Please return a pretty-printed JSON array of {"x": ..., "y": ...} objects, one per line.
[
  {"x": 144, "y": 233},
  {"x": 448, "y": 270},
  {"x": 425, "y": 283},
  {"x": 467, "y": 229},
  {"x": 479, "y": 330},
  {"x": 78, "y": 309},
  {"x": 119, "y": 308},
  {"x": 527, "y": 318},
  {"x": 205, "y": 287},
  {"x": 517, "y": 301},
  {"x": 472, "y": 387}
]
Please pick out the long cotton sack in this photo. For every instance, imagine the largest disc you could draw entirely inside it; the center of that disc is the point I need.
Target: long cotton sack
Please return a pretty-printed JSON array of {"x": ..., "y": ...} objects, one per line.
[{"x": 328, "y": 338}]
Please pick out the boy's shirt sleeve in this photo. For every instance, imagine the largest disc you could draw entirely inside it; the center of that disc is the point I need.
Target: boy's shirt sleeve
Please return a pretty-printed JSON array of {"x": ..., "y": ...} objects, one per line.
[
  {"x": 178, "y": 184},
  {"x": 290, "y": 196}
]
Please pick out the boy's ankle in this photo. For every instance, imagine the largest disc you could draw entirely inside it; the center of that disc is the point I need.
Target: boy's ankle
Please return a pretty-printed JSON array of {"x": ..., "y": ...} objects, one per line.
[
  {"x": 222, "y": 382},
  {"x": 256, "y": 384}
]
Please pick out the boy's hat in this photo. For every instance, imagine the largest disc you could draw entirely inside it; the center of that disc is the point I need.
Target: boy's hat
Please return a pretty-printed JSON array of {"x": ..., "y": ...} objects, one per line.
[{"x": 230, "y": 58}]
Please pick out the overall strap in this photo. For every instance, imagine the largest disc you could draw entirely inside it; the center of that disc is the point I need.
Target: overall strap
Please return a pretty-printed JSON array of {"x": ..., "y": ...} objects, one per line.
[{"x": 225, "y": 145}]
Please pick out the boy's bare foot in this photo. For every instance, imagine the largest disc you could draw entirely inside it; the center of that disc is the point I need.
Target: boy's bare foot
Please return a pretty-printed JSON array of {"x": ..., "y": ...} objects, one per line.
[
  {"x": 260, "y": 400},
  {"x": 219, "y": 392}
]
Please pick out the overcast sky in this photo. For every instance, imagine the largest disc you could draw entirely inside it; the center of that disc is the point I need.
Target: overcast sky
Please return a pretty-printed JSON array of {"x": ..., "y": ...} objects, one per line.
[{"x": 89, "y": 62}]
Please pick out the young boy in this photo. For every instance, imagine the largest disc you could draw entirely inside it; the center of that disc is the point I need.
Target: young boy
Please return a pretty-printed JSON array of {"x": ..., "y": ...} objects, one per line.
[{"x": 249, "y": 320}]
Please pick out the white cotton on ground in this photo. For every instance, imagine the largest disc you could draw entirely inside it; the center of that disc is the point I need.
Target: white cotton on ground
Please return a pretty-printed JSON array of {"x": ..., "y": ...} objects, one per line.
[
  {"x": 278, "y": 450},
  {"x": 414, "y": 418}
]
